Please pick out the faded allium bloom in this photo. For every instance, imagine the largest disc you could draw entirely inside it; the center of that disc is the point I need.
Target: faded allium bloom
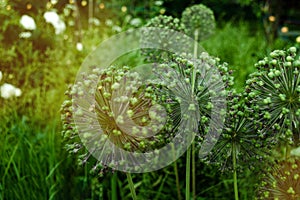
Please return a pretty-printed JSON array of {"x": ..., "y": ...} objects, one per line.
[
  {"x": 8, "y": 91},
  {"x": 54, "y": 19},
  {"x": 198, "y": 21},
  {"x": 273, "y": 96},
  {"x": 28, "y": 22},
  {"x": 281, "y": 182}
]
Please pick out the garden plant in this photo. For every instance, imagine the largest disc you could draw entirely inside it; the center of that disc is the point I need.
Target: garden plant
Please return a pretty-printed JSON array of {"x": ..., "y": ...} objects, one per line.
[{"x": 100, "y": 100}]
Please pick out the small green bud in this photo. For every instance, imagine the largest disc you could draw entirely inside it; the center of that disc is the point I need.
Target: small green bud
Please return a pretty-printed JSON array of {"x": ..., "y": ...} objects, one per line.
[
  {"x": 106, "y": 95},
  {"x": 115, "y": 86},
  {"x": 120, "y": 119},
  {"x": 271, "y": 74},
  {"x": 293, "y": 49},
  {"x": 267, "y": 115},
  {"x": 273, "y": 62},
  {"x": 291, "y": 190},
  {"x": 289, "y": 58},
  {"x": 192, "y": 107},
  {"x": 273, "y": 54},
  {"x": 285, "y": 110},
  {"x": 282, "y": 97},
  {"x": 267, "y": 100},
  {"x": 287, "y": 64},
  {"x": 129, "y": 113}
]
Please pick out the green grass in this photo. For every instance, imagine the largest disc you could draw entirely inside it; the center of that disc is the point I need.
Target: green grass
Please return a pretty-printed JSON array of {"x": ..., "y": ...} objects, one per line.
[{"x": 34, "y": 164}]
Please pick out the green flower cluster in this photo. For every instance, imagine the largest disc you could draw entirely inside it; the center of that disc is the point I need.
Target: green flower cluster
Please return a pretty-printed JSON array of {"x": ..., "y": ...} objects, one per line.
[
  {"x": 198, "y": 21},
  {"x": 281, "y": 182},
  {"x": 127, "y": 112},
  {"x": 239, "y": 138},
  {"x": 159, "y": 33},
  {"x": 199, "y": 86},
  {"x": 273, "y": 95}
]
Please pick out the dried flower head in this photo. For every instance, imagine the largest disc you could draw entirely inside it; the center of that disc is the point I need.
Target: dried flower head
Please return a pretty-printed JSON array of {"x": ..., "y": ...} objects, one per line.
[
  {"x": 273, "y": 95},
  {"x": 281, "y": 182},
  {"x": 200, "y": 20}
]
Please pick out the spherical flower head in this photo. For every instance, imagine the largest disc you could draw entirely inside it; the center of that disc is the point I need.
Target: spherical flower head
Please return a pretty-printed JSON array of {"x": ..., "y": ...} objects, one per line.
[
  {"x": 211, "y": 80},
  {"x": 200, "y": 20},
  {"x": 169, "y": 26},
  {"x": 273, "y": 94},
  {"x": 28, "y": 22},
  {"x": 126, "y": 111},
  {"x": 281, "y": 182},
  {"x": 239, "y": 138}
]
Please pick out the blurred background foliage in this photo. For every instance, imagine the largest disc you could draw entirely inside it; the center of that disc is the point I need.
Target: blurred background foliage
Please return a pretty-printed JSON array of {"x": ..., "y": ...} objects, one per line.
[{"x": 34, "y": 164}]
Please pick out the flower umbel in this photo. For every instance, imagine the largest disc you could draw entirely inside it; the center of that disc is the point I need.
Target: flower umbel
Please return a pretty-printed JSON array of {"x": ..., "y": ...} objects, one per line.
[
  {"x": 282, "y": 182},
  {"x": 200, "y": 19},
  {"x": 273, "y": 95},
  {"x": 127, "y": 117}
]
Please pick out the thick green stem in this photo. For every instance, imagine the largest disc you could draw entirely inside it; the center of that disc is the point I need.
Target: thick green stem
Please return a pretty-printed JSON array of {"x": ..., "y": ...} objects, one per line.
[
  {"x": 131, "y": 186},
  {"x": 196, "y": 33},
  {"x": 236, "y": 191},
  {"x": 188, "y": 174},
  {"x": 114, "y": 194}
]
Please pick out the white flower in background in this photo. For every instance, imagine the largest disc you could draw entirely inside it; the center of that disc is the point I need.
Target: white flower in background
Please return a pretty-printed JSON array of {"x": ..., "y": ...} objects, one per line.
[
  {"x": 117, "y": 28},
  {"x": 1, "y": 75},
  {"x": 94, "y": 21},
  {"x": 8, "y": 91},
  {"x": 136, "y": 22},
  {"x": 54, "y": 2},
  {"x": 158, "y": 3},
  {"x": 54, "y": 19},
  {"x": 25, "y": 35},
  {"x": 28, "y": 22},
  {"x": 109, "y": 22},
  {"x": 79, "y": 46}
]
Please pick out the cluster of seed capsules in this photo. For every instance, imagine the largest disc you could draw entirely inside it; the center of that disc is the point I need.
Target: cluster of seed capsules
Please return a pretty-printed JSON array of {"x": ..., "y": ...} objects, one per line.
[
  {"x": 124, "y": 106},
  {"x": 273, "y": 95},
  {"x": 281, "y": 182}
]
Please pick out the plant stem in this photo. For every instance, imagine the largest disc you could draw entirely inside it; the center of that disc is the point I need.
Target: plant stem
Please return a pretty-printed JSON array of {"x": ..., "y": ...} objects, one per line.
[
  {"x": 114, "y": 187},
  {"x": 193, "y": 88},
  {"x": 188, "y": 174},
  {"x": 131, "y": 186},
  {"x": 287, "y": 151},
  {"x": 236, "y": 191},
  {"x": 176, "y": 176},
  {"x": 193, "y": 171}
]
